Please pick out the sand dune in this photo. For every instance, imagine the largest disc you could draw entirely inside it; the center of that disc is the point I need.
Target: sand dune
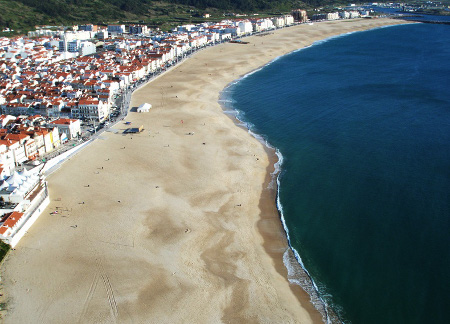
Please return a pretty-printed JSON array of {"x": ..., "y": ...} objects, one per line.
[{"x": 175, "y": 228}]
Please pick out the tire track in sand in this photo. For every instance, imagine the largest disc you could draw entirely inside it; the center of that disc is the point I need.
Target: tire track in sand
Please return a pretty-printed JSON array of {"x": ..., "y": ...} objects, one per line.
[
  {"x": 100, "y": 273},
  {"x": 110, "y": 295},
  {"x": 91, "y": 292}
]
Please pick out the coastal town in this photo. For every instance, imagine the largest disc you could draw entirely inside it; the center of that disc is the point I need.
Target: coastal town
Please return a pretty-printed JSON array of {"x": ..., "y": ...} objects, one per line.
[
  {"x": 163, "y": 202},
  {"x": 60, "y": 87}
]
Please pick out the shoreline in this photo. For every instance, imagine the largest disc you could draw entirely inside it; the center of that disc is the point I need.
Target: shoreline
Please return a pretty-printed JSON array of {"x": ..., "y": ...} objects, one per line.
[
  {"x": 208, "y": 230},
  {"x": 301, "y": 282},
  {"x": 272, "y": 228},
  {"x": 274, "y": 242}
]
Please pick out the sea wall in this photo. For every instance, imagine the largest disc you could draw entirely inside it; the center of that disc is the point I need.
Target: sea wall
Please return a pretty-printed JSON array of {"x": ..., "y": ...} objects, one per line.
[
  {"x": 51, "y": 165},
  {"x": 29, "y": 222}
]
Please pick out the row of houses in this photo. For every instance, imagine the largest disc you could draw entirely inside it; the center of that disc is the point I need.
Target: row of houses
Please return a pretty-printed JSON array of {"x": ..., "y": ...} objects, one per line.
[
  {"x": 38, "y": 76},
  {"x": 28, "y": 138},
  {"x": 24, "y": 194},
  {"x": 236, "y": 27},
  {"x": 345, "y": 14},
  {"x": 34, "y": 81},
  {"x": 83, "y": 87}
]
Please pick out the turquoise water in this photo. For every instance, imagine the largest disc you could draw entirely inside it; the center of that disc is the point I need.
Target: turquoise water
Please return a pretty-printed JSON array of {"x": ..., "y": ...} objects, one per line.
[{"x": 363, "y": 124}]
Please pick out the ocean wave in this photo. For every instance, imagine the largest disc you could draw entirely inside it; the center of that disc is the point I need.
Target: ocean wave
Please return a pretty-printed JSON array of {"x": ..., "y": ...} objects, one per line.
[
  {"x": 259, "y": 137},
  {"x": 231, "y": 112},
  {"x": 277, "y": 169},
  {"x": 279, "y": 163},
  {"x": 226, "y": 100},
  {"x": 301, "y": 277},
  {"x": 250, "y": 73}
]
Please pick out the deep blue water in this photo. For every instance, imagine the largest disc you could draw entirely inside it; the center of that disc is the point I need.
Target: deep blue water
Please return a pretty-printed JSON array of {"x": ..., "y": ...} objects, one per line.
[{"x": 363, "y": 124}]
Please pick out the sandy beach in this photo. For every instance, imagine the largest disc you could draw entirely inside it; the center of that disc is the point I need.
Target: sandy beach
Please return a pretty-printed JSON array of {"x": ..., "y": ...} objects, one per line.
[{"x": 172, "y": 225}]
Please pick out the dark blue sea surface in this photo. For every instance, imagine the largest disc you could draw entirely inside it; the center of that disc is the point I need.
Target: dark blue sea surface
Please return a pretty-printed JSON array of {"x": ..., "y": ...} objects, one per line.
[{"x": 363, "y": 124}]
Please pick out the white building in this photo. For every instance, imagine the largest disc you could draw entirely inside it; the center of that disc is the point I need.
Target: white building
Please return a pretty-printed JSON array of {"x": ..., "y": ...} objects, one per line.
[
  {"x": 344, "y": 15},
  {"x": 42, "y": 32},
  {"x": 225, "y": 36},
  {"x": 91, "y": 109},
  {"x": 79, "y": 35},
  {"x": 197, "y": 41},
  {"x": 333, "y": 16},
  {"x": 288, "y": 20},
  {"x": 70, "y": 127},
  {"x": 87, "y": 48},
  {"x": 185, "y": 28},
  {"x": 116, "y": 29},
  {"x": 89, "y": 27},
  {"x": 6, "y": 160},
  {"x": 278, "y": 22},
  {"x": 262, "y": 25},
  {"x": 112, "y": 86},
  {"x": 17, "y": 150},
  {"x": 213, "y": 37},
  {"x": 138, "y": 29},
  {"x": 73, "y": 46},
  {"x": 102, "y": 34},
  {"x": 354, "y": 14},
  {"x": 245, "y": 27}
]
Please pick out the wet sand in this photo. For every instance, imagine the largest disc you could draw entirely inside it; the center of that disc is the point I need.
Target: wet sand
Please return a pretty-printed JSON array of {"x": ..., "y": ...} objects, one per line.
[{"x": 174, "y": 224}]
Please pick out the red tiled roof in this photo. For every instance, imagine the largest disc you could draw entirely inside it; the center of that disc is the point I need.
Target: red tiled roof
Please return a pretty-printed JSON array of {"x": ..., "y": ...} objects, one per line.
[
  {"x": 11, "y": 221},
  {"x": 16, "y": 137},
  {"x": 63, "y": 121}
]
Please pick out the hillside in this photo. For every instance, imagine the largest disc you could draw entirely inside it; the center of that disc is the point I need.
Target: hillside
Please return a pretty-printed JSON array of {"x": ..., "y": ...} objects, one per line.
[{"x": 25, "y": 14}]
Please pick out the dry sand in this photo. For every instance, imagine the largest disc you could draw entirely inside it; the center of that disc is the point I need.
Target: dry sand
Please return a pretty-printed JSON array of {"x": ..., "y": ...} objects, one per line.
[{"x": 173, "y": 228}]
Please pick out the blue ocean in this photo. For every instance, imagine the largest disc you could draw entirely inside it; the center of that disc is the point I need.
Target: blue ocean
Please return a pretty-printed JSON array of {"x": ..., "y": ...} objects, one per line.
[{"x": 363, "y": 124}]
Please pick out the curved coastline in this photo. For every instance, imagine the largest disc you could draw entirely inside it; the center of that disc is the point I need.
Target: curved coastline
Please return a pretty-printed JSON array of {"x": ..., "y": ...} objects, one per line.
[
  {"x": 296, "y": 272},
  {"x": 294, "y": 269},
  {"x": 291, "y": 266},
  {"x": 177, "y": 260}
]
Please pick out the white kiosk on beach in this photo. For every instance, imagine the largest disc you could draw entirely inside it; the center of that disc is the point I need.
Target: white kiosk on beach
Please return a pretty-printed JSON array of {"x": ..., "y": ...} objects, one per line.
[{"x": 145, "y": 107}]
